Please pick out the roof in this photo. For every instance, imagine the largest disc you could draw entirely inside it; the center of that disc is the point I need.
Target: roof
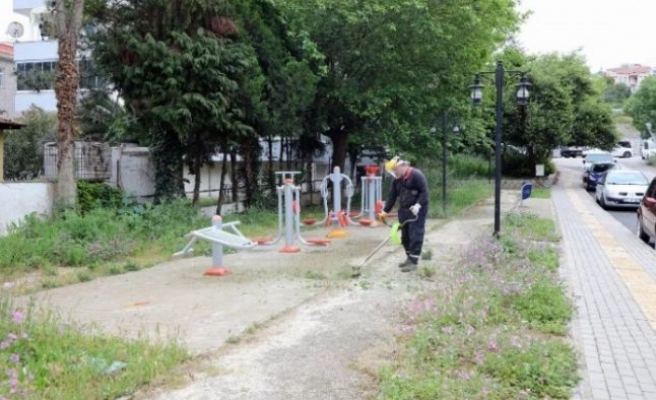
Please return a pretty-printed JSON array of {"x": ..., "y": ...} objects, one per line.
[
  {"x": 9, "y": 124},
  {"x": 635, "y": 69},
  {"x": 7, "y": 51}
]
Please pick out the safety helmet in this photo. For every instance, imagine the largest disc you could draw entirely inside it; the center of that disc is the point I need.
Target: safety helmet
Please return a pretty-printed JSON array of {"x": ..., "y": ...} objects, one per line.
[{"x": 391, "y": 164}]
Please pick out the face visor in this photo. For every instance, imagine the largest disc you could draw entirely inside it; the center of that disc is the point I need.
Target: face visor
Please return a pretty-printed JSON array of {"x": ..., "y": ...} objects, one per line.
[{"x": 391, "y": 165}]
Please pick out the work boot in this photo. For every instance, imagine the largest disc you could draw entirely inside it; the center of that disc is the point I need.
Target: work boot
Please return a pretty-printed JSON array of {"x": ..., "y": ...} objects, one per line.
[
  {"x": 409, "y": 267},
  {"x": 405, "y": 263}
]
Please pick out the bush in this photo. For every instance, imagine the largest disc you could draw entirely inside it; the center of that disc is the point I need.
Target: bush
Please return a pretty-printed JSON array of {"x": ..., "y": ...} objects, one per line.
[{"x": 93, "y": 195}]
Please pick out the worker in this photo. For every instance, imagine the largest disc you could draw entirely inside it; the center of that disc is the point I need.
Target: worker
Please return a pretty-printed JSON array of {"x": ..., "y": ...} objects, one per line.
[{"x": 411, "y": 188}]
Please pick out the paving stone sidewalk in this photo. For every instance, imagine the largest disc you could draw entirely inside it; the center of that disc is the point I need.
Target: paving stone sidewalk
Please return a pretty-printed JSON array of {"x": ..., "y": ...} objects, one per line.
[{"x": 611, "y": 276}]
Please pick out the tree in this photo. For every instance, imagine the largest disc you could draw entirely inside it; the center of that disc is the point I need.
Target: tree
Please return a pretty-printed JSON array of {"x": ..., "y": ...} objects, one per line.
[
  {"x": 172, "y": 75},
  {"x": 392, "y": 65},
  {"x": 565, "y": 108},
  {"x": 101, "y": 117},
  {"x": 642, "y": 105},
  {"x": 68, "y": 21},
  {"x": 197, "y": 81},
  {"x": 616, "y": 93},
  {"x": 24, "y": 148}
]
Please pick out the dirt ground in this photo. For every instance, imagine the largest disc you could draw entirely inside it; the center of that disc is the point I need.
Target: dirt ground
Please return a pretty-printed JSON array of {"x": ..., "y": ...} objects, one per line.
[{"x": 279, "y": 326}]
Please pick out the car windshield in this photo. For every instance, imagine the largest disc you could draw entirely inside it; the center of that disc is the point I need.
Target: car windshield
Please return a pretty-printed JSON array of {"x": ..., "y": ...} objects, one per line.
[
  {"x": 598, "y": 157},
  {"x": 602, "y": 167},
  {"x": 627, "y": 178}
]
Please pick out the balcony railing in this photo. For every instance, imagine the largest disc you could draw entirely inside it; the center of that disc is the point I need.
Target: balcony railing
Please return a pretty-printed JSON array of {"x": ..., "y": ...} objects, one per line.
[{"x": 24, "y": 6}]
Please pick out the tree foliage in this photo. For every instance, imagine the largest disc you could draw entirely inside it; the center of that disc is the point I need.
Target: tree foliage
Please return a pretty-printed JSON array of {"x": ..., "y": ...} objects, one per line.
[
  {"x": 642, "y": 105},
  {"x": 24, "y": 147},
  {"x": 565, "y": 108},
  {"x": 392, "y": 65},
  {"x": 201, "y": 76},
  {"x": 616, "y": 93}
]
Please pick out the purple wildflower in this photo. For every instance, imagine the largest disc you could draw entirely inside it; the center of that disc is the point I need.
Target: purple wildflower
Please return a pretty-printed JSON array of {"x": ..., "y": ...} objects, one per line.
[
  {"x": 492, "y": 346},
  {"x": 17, "y": 317}
]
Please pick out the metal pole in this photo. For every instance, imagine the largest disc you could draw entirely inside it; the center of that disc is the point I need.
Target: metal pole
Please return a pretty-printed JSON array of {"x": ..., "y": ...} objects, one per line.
[
  {"x": 444, "y": 116},
  {"x": 497, "y": 147}
]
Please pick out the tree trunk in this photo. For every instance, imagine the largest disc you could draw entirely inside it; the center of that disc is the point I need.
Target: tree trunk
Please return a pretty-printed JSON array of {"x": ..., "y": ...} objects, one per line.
[
  {"x": 196, "y": 172},
  {"x": 224, "y": 171},
  {"x": 250, "y": 152},
  {"x": 234, "y": 180},
  {"x": 68, "y": 22},
  {"x": 340, "y": 143},
  {"x": 167, "y": 155}
]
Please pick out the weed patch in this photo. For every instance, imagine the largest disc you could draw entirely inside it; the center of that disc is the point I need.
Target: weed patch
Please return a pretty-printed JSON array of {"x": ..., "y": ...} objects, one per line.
[
  {"x": 46, "y": 358},
  {"x": 493, "y": 326}
]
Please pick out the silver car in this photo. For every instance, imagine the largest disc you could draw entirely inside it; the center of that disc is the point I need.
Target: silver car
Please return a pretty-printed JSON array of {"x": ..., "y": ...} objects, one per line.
[{"x": 621, "y": 188}]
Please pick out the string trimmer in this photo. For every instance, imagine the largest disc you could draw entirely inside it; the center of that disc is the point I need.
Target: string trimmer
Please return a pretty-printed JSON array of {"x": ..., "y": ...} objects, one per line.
[{"x": 394, "y": 236}]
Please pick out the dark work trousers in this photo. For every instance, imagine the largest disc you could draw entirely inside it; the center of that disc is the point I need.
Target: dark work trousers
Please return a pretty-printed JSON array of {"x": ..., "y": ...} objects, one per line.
[{"x": 412, "y": 233}]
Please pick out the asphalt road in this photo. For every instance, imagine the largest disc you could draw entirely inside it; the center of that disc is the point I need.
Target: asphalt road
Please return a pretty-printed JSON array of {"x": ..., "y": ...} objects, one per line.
[{"x": 625, "y": 217}]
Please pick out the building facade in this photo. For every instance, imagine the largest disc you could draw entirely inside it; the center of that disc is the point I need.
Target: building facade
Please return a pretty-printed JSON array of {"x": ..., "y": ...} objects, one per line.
[
  {"x": 630, "y": 75},
  {"x": 35, "y": 56},
  {"x": 7, "y": 81}
]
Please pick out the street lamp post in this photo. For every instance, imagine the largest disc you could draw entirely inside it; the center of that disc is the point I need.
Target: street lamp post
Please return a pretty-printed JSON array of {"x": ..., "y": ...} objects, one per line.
[
  {"x": 456, "y": 129},
  {"x": 522, "y": 99}
]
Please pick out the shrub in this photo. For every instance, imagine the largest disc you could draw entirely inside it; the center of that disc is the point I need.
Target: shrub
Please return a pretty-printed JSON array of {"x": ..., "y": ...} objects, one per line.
[{"x": 93, "y": 195}]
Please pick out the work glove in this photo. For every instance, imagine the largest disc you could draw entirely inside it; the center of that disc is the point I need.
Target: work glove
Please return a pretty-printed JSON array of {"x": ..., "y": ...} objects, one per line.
[
  {"x": 382, "y": 217},
  {"x": 415, "y": 209}
]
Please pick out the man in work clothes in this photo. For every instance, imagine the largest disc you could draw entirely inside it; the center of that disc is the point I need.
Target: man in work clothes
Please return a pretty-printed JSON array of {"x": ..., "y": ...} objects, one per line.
[{"x": 411, "y": 188}]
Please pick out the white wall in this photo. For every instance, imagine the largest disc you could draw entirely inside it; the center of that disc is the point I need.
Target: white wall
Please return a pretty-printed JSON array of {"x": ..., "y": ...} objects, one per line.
[
  {"x": 21, "y": 199},
  {"x": 45, "y": 99}
]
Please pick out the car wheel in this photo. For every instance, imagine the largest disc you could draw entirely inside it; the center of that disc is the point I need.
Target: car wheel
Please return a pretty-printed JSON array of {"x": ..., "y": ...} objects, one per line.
[
  {"x": 627, "y": 154},
  {"x": 602, "y": 202},
  {"x": 641, "y": 233}
]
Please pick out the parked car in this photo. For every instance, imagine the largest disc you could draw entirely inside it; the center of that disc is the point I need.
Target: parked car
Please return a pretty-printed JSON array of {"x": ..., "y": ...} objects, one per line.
[
  {"x": 596, "y": 156},
  {"x": 622, "y": 188},
  {"x": 623, "y": 149},
  {"x": 646, "y": 214},
  {"x": 572, "y": 151},
  {"x": 594, "y": 174},
  {"x": 647, "y": 148}
]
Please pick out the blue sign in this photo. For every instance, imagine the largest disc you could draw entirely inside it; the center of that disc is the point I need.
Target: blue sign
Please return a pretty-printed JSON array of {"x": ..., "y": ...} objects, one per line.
[{"x": 526, "y": 190}]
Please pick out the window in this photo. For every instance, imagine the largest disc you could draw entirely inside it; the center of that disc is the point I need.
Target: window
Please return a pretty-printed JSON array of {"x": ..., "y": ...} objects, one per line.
[{"x": 36, "y": 76}]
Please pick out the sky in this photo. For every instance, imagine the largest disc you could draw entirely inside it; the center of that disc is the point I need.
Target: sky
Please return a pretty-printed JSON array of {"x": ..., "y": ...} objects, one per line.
[{"x": 608, "y": 33}]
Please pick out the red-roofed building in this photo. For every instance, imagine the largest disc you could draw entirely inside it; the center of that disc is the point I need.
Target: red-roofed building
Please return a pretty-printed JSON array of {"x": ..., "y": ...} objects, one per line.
[
  {"x": 630, "y": 75},
  {"x": 7, "y": 80}
]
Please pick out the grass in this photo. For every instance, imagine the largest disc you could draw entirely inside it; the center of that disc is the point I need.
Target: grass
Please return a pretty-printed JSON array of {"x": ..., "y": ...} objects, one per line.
[
  {"x": 46, "y": 358},
  {"x": 540, "y": 193},
  {"x": 493, "y": 327}
]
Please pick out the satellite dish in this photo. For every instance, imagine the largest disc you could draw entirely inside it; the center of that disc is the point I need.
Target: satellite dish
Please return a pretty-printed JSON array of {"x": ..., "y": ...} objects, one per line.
[{"x": 15, "y": 30}]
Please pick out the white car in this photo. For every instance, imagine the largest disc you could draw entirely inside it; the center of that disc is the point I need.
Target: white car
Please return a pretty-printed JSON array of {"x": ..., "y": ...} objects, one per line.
[
  {"x": 621, "y": 188},
  {"x": 623, "y": 150},
  {"x": 647, "y": 148}
]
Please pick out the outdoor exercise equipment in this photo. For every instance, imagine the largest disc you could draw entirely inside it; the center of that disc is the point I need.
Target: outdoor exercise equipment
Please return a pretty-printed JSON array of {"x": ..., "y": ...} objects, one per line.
[
  {"x": 337, "y": 216},
  {"x": 219, "y": 238},
  {"x": 371, "y": 195},
  {"x": 289, "y": 211}
]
